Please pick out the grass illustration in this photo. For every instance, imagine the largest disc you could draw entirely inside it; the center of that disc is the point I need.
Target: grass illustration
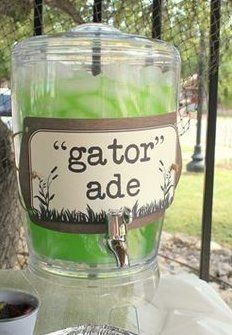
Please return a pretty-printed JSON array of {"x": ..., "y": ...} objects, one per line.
[
  {"x": 148, "y": 209},
  {"x": 167, "y": 185},
  {"x": 92, "y": 217},
  {"x": 65, "y": 215},
  {"x": 45, "y": 197},
  {"x": 45, "y": 213}
]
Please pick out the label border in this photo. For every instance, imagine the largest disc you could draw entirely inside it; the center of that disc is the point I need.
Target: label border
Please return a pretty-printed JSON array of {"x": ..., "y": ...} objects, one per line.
[{"x": 33, "y": 125}]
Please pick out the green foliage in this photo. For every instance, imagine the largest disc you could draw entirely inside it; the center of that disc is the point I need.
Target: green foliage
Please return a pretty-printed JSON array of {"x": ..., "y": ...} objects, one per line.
[
  {"x": 18, "y": 10},
  {"x": 225, "y": 81}
]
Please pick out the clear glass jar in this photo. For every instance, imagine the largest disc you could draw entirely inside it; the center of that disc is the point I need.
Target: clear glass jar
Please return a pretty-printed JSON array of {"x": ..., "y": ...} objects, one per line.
[{"x": 92, "y": 75}]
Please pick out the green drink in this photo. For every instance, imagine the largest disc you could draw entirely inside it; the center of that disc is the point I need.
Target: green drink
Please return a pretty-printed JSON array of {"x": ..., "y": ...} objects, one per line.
[{"x": 90, "y": 77}]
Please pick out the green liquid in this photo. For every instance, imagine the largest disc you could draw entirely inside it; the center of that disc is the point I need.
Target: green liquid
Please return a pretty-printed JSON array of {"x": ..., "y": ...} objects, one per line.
[{"x": 94, "y": 97}]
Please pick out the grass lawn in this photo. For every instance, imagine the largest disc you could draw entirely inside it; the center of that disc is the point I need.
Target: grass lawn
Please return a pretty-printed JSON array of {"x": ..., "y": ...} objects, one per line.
[{"x": 184, "y": 215}]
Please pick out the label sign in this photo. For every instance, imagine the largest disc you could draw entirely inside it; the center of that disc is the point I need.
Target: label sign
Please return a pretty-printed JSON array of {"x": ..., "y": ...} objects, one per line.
[{"x": 73, "y": 172}]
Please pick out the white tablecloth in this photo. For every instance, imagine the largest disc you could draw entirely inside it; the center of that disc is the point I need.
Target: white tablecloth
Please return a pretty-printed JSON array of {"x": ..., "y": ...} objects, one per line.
[{"x": 182, "y": 305}]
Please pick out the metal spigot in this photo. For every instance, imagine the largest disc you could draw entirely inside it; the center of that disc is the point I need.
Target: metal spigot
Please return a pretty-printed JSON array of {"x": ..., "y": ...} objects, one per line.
[{"x": 117, "y": 232}]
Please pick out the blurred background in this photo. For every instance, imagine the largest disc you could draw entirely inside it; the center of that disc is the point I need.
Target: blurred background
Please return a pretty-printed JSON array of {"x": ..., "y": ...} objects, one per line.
[{"x": 186, "y": 24}]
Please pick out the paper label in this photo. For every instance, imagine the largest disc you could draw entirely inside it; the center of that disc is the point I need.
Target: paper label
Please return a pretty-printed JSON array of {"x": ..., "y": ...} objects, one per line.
[{"x": 72, "y": 172}]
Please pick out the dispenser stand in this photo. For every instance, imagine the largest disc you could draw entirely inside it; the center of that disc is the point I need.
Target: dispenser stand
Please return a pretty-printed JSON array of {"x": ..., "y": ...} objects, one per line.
[
  {"x": 68, "y": 302},
  {"x": 181, "y": 303}
]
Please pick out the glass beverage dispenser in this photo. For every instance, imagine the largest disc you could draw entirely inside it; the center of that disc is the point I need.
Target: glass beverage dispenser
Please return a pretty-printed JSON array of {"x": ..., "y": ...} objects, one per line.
[{"x": 97, "y": 147}]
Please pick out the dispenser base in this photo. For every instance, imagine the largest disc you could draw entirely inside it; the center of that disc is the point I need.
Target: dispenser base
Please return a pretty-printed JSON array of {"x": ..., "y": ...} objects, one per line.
[{"x": 91, "y": 271}]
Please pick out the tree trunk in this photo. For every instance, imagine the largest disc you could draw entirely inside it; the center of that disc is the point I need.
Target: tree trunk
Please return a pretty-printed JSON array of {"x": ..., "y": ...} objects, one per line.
[{"x": 13, "y": 251}]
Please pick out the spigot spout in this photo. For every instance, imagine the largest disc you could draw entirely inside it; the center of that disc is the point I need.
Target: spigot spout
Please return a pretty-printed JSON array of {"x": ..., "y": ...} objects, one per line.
[
  {"x": 119, "y": 250},
  {"x": 117, "y": 233}
]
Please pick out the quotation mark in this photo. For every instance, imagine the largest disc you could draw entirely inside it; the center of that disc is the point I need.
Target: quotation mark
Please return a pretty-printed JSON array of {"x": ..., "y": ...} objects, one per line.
[
  {"x": 56, "y": 145},
  {"x": 159, "y": 139}
]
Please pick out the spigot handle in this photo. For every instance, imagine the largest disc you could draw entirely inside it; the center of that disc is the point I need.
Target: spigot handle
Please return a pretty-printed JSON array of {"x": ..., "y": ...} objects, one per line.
[{"x": 117, "y": 221}]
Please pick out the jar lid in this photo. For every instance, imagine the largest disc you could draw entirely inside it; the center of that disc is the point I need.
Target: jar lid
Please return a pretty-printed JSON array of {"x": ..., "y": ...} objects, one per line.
[{"x": 94, "y": 38}]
